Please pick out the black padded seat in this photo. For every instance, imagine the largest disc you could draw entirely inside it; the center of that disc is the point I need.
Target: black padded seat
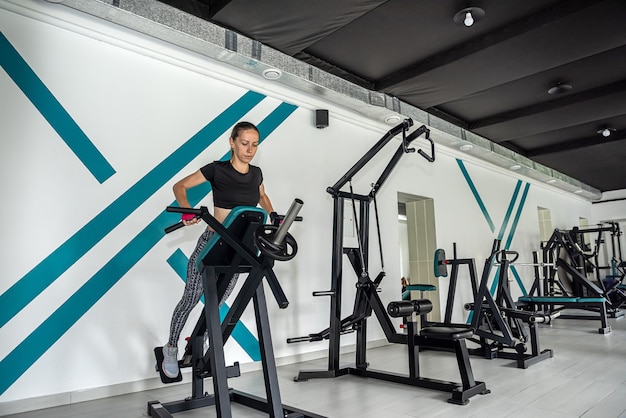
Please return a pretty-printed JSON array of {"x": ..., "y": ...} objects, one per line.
[{"x": 446, "y": 333}]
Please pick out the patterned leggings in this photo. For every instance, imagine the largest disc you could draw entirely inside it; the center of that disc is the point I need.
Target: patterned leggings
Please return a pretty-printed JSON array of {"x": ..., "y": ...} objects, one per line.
[{"x": 193, "y": 291}]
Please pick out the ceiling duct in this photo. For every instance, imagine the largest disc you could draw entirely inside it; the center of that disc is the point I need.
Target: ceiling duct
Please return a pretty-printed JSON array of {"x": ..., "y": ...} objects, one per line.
[{"x": 169, "y": 24}]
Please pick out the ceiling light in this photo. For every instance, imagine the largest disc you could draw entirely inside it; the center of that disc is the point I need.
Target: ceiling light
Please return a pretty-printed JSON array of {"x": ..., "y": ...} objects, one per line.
[
  {"x": 559, "y": 88},
  {"x": 606, "y": 132},
  {"x": 551, "y": 181},
  {"x": 466, "y": 147},
  {"x": 392, "y": 119},
  {"x": 469, "y": 20},
  {"x": 578, "y": 191},
  {"x": 272, "y": 74},
  {"x": 515, "y": 167},
  {"x": 468, "y": 16}
]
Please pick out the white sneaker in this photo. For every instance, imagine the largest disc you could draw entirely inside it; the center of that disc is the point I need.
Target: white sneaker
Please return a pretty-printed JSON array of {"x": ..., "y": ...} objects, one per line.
[{"x": 170, "y": 361}]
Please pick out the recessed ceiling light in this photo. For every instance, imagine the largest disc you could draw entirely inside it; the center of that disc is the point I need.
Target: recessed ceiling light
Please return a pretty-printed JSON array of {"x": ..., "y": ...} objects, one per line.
[
  {"x": 560, "y": 88},
  {"x": 551, "y": 181},
  {"x": 466, "y": 147},
  {"x": 392, "y": 119},
  {"x": 515, "y": 167},
  {"x": 468, "y": 16},
  {"x": 578, "y": 191},
  {"x": 606, "y": 132},
  {"x": 272, "y": 74}
]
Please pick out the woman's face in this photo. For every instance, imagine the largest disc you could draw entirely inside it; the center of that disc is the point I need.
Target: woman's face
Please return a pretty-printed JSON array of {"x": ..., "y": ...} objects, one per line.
[{"x": 245, "y": 145}]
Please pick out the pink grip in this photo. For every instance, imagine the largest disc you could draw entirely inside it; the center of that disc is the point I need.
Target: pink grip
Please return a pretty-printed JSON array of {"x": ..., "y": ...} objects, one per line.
[{"x": 188, "y": 216}]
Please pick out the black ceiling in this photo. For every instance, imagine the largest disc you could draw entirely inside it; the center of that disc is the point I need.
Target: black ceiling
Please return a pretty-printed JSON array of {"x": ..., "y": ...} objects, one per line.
[{"x": 491, "y": 78}]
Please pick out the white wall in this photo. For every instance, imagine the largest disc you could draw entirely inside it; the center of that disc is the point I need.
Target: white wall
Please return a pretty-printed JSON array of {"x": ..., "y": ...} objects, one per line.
[
  {"x": 612, "y": 207},
  {"x": 139, "y": 100},
  {"x": 403, "y": 239}
]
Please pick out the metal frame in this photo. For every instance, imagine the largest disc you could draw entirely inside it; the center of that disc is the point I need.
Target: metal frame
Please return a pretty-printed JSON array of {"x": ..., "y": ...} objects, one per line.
[
  {"x": 498, "y": 323},
  {"x": 215, "y": 277},
  {"x": 367, "y": 299},
  {"x": 550, "y": 293},
  {"x": 455, "y": 262}
]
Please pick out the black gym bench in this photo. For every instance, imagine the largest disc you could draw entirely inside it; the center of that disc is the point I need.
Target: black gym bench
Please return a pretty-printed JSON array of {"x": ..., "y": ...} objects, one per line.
[{"x": 554, "y": 304}]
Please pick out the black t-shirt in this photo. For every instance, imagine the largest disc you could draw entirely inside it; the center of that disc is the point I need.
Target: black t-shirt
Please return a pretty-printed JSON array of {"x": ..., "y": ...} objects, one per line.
[{"x": 230, "y": 187}]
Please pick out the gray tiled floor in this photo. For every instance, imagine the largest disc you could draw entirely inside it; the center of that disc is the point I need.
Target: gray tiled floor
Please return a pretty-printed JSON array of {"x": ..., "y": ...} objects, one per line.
[{"x": 586, "y": 378}]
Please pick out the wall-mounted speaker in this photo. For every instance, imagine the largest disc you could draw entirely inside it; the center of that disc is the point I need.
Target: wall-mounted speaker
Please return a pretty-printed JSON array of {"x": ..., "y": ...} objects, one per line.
[{"x": 321, "y": 118}]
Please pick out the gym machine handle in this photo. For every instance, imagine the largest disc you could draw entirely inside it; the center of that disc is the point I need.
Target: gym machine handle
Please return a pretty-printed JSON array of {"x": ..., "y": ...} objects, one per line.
[
  {"x": 324, "y": 293},
  {"x": 401, "y": 127},
  {"x": 431, "y": 157},
  {"x": 538, "y": 318},
  {"x": 278, "y": 219},
  {"x": 503, "y": 255},
  {"x": 198, "y": 213},
  {"x": 172, "y": 228},
  {"x": 416, "y": 133}
]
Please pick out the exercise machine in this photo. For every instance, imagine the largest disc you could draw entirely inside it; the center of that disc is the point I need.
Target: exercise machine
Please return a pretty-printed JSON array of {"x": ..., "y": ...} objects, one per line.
[
  {"x": 440, "y": 265},
  {"x": 564, "y": 286},
  {"x": 499, "y": 326},
  {"x": 367, "y": 300},
  {"x": 243, "y": 243},
  {"x": 502, "y": 329},
  {"x": 586, "y": 258}
]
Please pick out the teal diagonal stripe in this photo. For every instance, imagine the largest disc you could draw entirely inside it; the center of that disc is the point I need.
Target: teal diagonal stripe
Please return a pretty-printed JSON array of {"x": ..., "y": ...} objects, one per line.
[
  {"x": 470, "y": 183},
  {"x": 520, "y": 207},
  {"x": 49, "y": 107},
  {"x": 47, "y": 271},
  {"x": 509, "y": 210},
  {"x": 507, "y": 244},
  {"x": 241, "y": 334},
  {"x": 25, "y": 354},
  {"x": 505, "y": 223}
]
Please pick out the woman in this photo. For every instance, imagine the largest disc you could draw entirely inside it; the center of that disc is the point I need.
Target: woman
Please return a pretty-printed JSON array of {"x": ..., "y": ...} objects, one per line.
[{"x": 235, "y": 183}]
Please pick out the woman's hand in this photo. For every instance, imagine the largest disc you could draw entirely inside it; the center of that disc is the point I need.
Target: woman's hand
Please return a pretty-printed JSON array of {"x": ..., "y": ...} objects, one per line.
[{"x": 190, "y": 219}]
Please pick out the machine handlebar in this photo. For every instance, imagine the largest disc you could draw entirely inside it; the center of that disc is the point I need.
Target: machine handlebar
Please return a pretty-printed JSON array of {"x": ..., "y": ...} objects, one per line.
[
  {"x": 177, "y": 209},
  {"x": 431, "y": 157}
]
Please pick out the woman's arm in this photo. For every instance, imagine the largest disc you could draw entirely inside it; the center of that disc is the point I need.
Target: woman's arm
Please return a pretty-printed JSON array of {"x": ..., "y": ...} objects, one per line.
[
  {"x": 180, "y": 191},
  {"x": 264, "y": 200}
]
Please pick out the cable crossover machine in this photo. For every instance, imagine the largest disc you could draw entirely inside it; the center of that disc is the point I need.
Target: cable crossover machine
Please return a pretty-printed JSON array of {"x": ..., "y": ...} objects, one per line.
[{"x": 367, "y": 299}]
